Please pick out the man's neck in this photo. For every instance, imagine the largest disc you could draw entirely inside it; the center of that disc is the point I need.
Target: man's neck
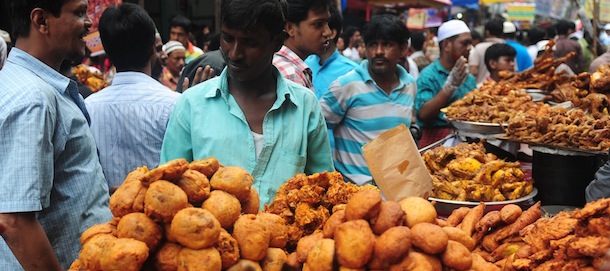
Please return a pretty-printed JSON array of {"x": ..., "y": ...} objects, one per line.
[
  {"x": 446, "y": 62},
  {"x": 292, "y": 46},
  {"x": 387, "y": 81},
  {"x": 329, "y": 52}
]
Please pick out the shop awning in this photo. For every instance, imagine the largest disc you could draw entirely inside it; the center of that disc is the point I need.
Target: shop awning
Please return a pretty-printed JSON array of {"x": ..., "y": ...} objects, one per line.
[{"x": 412, "y": 3}]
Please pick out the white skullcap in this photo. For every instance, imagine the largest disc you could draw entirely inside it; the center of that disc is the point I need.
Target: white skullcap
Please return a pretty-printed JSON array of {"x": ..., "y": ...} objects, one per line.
[
  {"x": 173, "y": 45},
  {"x": 509, "y": 27},
  {"x": 5, "y": 36},
  {"x": 607, "y": 27},
  {"x": 452, "y": 28},
  {"x": 541, "y": 45}
]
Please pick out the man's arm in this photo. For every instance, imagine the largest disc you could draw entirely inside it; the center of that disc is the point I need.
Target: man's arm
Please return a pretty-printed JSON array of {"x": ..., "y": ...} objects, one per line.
[
  {"x": 430, "y": 110},
  {"x": 28, "y": 241}
]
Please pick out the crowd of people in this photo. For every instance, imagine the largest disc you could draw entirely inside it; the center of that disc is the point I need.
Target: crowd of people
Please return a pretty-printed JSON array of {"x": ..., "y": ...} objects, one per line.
[{"x": 280, "y": 90}]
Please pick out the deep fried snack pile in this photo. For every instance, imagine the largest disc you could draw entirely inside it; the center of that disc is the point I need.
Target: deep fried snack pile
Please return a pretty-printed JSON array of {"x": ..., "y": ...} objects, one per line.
[
  {"x": 94, "y": 81},
  {"x": 559, "y": 127},
  {"x": 513, "y": 239},
  {"x": 372, "y": 234},
  {"x": 305, "y": 202},
  {"x": 466, "y": 173},
  {"x": 185, "y": 216}
]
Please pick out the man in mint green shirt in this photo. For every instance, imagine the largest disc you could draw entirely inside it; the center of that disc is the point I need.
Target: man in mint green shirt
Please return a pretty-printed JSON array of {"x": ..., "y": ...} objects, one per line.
[{"x": 250, "y": 116}]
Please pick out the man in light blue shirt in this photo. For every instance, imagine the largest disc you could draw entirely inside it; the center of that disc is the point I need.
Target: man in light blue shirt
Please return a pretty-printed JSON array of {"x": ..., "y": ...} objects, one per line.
[
  {"x": 250, "y": 116},
  {"x": 376, "y": 96},
  {"x": 327, "y": 67},
  {"x": 52, "y": 187},
  {"x": 128, "y": 118}
]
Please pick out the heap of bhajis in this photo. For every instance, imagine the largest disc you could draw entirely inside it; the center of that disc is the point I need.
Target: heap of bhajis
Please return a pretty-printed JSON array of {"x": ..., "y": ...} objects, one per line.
[
  {"x": 513, "y": 239},
  {"x": 466, "y": 173},
  {"x": 305, "y": 202},
  {"x": 557, "y": 126},
  {"x": 371, "y": 234},
  {"x": 95, "y": 81},
  {"x": 185, "y": 216}
]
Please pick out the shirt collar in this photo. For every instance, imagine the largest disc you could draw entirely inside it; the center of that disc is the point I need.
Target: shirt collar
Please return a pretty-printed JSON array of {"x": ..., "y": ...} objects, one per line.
[
  {"x": 51, "y": 76},
  {"x": 131, "y": 77},
  {"x": 437, "y": 65},
  {"x": 291, "y": 56},
  {"x": 332, "y": 57},
  {"x": 284, "y": 93}
]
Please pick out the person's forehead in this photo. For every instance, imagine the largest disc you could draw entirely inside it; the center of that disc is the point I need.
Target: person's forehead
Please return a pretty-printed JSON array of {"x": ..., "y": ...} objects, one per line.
[
  {"x": 257, "y": 31},
  {"x": 318, "y": 14},
  {"x": 177, "y": 28},
  {"x": 464, "y": 37}
]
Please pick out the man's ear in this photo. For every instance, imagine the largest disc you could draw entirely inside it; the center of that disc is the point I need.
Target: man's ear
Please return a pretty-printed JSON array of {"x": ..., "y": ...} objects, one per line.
[
  {"x": 493, "y": 64},
  {"x": 290, "y": 29},
  {"x": 38, "y": 20},
  {"x": 404, "y": 50},
  {"x": 333, "y": 34}
]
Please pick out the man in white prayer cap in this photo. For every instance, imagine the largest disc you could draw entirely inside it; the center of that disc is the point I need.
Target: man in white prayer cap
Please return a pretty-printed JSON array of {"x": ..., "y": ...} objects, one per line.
[
  {"x": 444, "y": 81},
  {"x": 176, "y": 59}
]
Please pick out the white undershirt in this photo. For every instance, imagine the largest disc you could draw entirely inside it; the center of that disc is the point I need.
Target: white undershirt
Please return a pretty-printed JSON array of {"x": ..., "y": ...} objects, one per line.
[{"x": 258, "y": 143}]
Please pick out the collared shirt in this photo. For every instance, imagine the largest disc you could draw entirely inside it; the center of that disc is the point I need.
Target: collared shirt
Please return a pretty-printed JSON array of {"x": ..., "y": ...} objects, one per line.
[
  {"x": 335, "y": 66},
  {"x": 353, "y": 54},
  {"x": 192, "y": 52},
  {"x": 523, "y": 59},
  {"x": 207, "y": 121},
  {"x": 128, "y": 121},
  {"x": 477, "y": 58},
  {"x": 358, "y": 110},
  {"x": 292, "y": 67},
  {"x": 565, "y": 46},
  {"x": 49, "y": 162},
  {"x": 168, "y": 79},
  {"x": 430, "y": 83}
]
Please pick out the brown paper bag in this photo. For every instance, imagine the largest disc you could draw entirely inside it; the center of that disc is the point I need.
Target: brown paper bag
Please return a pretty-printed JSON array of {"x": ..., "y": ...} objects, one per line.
[{"x": 397, "y": 166}]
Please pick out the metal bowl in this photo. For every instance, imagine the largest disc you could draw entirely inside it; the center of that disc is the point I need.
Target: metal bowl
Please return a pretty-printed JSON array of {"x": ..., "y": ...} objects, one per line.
[
  {"x": 478, "y": 127},
  {"x": 445, "y": 207}
]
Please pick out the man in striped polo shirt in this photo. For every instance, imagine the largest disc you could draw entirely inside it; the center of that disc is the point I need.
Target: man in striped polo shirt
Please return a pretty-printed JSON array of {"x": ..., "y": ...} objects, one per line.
[{"x": 376, "y": 96}]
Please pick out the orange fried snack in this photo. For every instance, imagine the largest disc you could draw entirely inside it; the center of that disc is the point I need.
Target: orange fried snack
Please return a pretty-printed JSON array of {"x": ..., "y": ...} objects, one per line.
[
  {"x": 91, "y": 253},
  {"x": 252, "y": 237},
  {"x": 274, "y": 259},
  {"x": 251, "y": 206},
  {"x": 228, "y": 248},
  {"x": 207, "y": 166},
  {"x": 207, "y": 259},
  {"x": 390, "y": 215},
  {"x": 140, "y": 227},
  {"x": 195, "y": 228},
  {"x": 355, "y": 243},
  {"x": 321, "y": 256},
  {"x": 196, "y": 186},
  {"x": 233, "y": 180},
  {"x": 166, "y": 258},
  {"x": 124, "y": 254},
  {"x": 363, "y": 205},
  {"x": 104, "y": 228},
  {"x": 128, "y": 198},
  {"x": 276, "y": 226},
  {"x": 393, "y": 245},
  {"x": 224, "y": 206},
  {"x": 170, "y": 171},
  {"x": 163, "y": 200}
]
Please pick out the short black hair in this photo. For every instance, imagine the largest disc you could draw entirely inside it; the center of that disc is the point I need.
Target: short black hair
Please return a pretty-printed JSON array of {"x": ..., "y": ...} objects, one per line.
[
  {"x": 498, "y": 50},
  {"x": 475, "y": 35},
  {"x": 181, "y": 21},
  {"x": 536, "y": 34},
  {"x": 128, "y": 35},
  {"x": 348, "y": 33},
  {"x": 336, "y": 21},
  {"x": 417, "y": 40},
  {"x": 385, "y": 27},
  {"x": 246, "y": 14},
  {"x": 495, "y": 27},
  {"x": 562, "y": 27},
  {"x": 299, "y": 9},
  {"x": 20, "y": 13}
]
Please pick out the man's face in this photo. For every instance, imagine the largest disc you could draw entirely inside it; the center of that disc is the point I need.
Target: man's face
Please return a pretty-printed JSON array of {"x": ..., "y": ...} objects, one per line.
[
  {"x": 312, "y": 35},
  {"x": 67, "y": 30},
  {"x": 383, "y": 55},
  {"x": 175, "y": 61},
  {"x": 355, "y": 36},
  {"x": 178, "y": 33},
  {"x": 248, "y": 54},
  {"x": 504, "y": 63},
  {"x": 159, "y": 61},
  {"x": 461, "y": 46}
]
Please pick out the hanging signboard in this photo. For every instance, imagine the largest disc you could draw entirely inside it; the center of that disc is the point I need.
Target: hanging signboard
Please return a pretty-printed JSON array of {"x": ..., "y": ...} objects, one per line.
[
  {"x": 416, "y": 19},
  {"x": 95, "y": 10},
  {"x": 521, "y": 11},
  {"x": 604, "y": 10}
]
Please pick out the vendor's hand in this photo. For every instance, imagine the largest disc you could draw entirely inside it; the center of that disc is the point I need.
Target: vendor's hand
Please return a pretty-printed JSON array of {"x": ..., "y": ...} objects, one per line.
[
  {"x": 457, "y": 76},
  {"x": 202, "y": 74}
]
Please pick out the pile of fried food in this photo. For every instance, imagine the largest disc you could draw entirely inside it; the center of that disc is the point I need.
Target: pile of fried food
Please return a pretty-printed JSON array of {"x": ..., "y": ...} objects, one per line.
[
  {"x": 466, "y": 172},
  {"x": 185, "y": 216},
  {"x": 95, "y": 81},
  {"x": 559, "y": 127},
  {"x": 371, "y": 234},
  {"x": 513, "y": 239},
  {"x": 305, "y": 202}
]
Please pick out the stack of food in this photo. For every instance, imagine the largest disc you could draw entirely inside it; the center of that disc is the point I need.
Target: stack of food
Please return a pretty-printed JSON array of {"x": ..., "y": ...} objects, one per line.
[
  {"x": 185, "y": 216},
  {"x": 371, "y": 234},
  {"x": 467, "y": 173},
  {"x": 94, "y": 80},
  {"x": 306, "y": 202},
  {"x": 513, "y": 239}
]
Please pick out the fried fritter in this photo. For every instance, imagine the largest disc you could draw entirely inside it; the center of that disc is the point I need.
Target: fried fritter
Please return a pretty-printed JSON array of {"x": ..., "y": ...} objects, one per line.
[
  {"x": 207, "y": 259},
  {"x": 195, "y": 228},
  {"x": 163, "y": 200},
  {"x": 140, "y": 227},
  {"x": 224, "y": 206},
  {"x": 124, "y": 254},
  {"x": 166, "y": 258},
  {"x": 233, "y": 180},
  {"x": 207, "y": 166},
  {"x": 228, "y": 248},
  {"x": 355, "y": 243},
  {"x": 170, "y": 171},
  {"x": 252, "y": 237},
  {"x": 196, "y": 186},
  {"x": 128, "y": 198}
]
